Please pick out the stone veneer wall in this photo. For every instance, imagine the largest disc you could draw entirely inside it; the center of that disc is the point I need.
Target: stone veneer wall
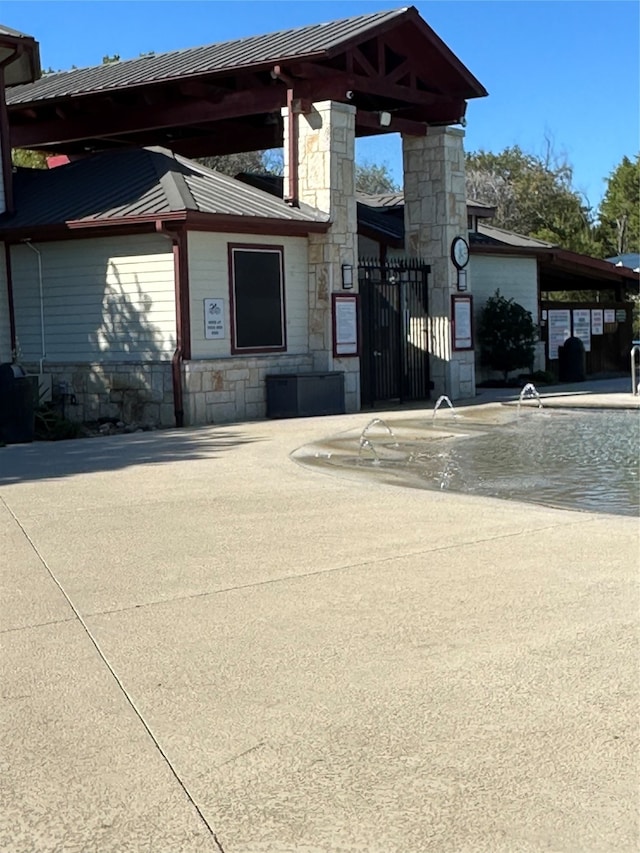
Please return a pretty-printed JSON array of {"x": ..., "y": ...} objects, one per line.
[
  {"x": 135, "y": 393},
  {"x": 326, "y": 181},
  {"x": 436, "y": 212},
  {"x": 233, "y": 389}
]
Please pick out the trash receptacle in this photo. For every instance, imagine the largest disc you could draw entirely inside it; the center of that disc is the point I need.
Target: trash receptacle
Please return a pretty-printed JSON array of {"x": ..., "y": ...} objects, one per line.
[
  {"x": 17, "y": 405},
  {"x": 572, "y": 361}
]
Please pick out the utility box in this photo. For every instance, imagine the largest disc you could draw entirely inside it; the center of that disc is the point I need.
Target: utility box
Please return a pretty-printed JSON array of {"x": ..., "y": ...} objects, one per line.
[
  {"x": 300, "y": 395},
  {"x": 17, "y": 404}
]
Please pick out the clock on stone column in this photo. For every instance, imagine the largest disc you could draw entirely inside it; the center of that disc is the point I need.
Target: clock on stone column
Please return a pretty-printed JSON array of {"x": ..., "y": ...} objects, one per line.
[{"x": 460, "y": 252}]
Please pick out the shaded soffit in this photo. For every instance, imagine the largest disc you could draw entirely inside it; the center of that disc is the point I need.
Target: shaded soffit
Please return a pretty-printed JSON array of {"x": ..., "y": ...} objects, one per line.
[
  {"x": 228, "y": 97},
  {"x": 19, "y": 56}
]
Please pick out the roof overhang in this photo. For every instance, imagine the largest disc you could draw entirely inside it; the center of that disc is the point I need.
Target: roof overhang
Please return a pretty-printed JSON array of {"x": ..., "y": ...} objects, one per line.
[
  {"x": 19, "y": 57},
  {"x": 184, "y": 220},
  {"x": 566, "y": 270},
  {"x": 392, "y": 67}
]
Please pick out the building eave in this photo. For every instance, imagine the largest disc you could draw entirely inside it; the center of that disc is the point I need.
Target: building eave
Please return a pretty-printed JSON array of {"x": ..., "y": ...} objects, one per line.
[{"x": 212, "y": 222}]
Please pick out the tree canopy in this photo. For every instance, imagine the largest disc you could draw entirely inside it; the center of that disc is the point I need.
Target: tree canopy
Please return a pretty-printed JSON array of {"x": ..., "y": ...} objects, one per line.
[
  {"x": 619, "y": 214},
  {"x": 533, "y": 196},
  {"x": 28, "y": 159},
  {"x": 259, "y": 162},
  {"x": 375, "y": 179}
]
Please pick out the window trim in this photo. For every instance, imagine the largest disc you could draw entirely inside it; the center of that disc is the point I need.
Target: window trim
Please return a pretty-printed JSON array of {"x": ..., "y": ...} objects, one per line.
[{"x": 255, "y": 247}]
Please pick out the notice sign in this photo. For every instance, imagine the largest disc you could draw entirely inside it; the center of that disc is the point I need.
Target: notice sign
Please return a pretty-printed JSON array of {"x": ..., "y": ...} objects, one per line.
[
  {"x": 597, "y": 321},
  {"x": 559, "y": 324},
  {"x": 582, "y": 326},
  {"x": 213, "y": 318},
  {"x": 461, "y": 322},
  {"x": 345, "y": 325},
  {"x": 609, "y": 315}
]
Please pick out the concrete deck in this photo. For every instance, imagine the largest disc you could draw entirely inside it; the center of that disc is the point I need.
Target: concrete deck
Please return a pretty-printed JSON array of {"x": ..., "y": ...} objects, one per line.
[{"x": 205, "y": 647}]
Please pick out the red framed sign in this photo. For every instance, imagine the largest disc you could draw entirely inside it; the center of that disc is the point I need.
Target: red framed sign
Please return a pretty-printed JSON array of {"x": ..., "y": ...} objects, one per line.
[
  {"x": 346, "y": 341},
  {"x": 462, "y": 322}
]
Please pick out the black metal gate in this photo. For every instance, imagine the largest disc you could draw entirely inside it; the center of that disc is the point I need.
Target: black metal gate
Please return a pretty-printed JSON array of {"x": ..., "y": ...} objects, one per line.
[{"x": 394, "y": 362}]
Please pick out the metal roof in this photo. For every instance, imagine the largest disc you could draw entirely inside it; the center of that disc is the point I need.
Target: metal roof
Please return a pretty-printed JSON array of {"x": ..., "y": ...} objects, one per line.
[
  {"x": 391, "y": 199},
  {"x": 132, "y": 183},
  {"x": 487, "y": 235},
  {"x": 7, "y": 31},
  {"x": 250, "y": 52},
  {"x": 630, "y": 260}
]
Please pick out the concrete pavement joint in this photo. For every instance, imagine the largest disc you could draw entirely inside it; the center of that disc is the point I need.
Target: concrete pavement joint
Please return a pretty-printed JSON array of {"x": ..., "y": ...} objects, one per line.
[
  {"x": 115, "y": 677},
  {"x": 36, "y": 625},
  {"x": 334, "y": 569}
]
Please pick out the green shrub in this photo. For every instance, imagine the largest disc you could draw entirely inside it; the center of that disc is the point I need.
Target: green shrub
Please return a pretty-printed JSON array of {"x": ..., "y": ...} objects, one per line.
[
  {"x": 507, "y": 335},
  {"x": 50, "y": 425}
]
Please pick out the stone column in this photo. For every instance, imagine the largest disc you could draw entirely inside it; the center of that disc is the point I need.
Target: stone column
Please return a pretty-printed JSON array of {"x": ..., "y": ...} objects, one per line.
[
  {"x": 326, "y": 181},
  {"x": 435, "y": 211}
]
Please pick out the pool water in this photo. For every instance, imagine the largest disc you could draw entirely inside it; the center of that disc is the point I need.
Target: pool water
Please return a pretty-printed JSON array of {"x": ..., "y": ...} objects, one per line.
[{"x": 572, "y": 459}]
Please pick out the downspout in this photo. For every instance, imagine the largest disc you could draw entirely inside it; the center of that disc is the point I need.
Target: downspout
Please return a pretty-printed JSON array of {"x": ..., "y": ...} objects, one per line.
[
  {"x": 13, "y": 338},
  {"x": 5, "y": 142},
  {"x": 43, "y": 348},
  {"x": 183, "y": 331},
  {"x": 291, "y": 196}
]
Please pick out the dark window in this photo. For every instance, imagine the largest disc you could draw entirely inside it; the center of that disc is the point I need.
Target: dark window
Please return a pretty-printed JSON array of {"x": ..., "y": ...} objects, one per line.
[{"x": 257, "y": 298}]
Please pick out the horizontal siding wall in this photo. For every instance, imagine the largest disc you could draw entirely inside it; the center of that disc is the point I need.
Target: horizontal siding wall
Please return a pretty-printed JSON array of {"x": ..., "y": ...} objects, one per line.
[
  {"x": 106, "y": 300},
  {"x": 5, "y": 328},
  {"x": 368, "y": 248},
  {"x": 516, "y": 278},
  {"x": 209, "y": 279}
]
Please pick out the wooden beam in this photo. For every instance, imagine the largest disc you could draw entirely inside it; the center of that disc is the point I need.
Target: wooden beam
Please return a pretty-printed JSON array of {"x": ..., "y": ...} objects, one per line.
[
  {"x": 400, "y": 71},
  {"x": 138, "y": 119},
  {"x": 381, "y": 88},
  {"x": 364, "y": 63},
  {"x": 202, "y": 91},
  {"x": 446, "y": 113},
  {"x": 225, "y": 139},
  {"x": 371, "y": 121}
]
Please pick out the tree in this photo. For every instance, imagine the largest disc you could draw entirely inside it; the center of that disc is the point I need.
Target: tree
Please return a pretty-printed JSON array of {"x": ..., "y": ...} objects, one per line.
[
  {"x": 28, "y": 159},
  {"x": 533, "y": 195},
  {"x": 260, "y": 162},
  {"x": 374, "y": 178},
  {"x": 506, "y": 334},
  {"x": 619, "y": 214}
]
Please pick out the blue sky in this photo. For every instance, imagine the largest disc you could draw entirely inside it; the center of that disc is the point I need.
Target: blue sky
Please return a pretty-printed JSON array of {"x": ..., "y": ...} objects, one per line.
[{"x": 564, "y": 71}]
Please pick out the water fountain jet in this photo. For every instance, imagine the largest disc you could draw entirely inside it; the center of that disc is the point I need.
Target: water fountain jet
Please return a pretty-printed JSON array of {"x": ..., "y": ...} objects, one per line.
[
  {"x": 528, "y": 392},
  {"x": 367, "y": 444},
  {"x": 439, "y": 402}
]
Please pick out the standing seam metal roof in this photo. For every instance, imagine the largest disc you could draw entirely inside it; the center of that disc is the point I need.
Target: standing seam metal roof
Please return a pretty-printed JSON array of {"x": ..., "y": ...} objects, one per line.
[
  {"x": 139, "y": 182},
  {"x": 314, "y": 39}
]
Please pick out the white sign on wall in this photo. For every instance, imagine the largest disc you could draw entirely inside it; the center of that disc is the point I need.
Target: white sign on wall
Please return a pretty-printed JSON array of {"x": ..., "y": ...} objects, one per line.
[
  {"x": 582, "y": 326},
  {"x": 559, "y": 329},
  {"x": 609, "y": 315},
  {"x": 213, "y": 318},
  {"x": 597, "y": 322},
  {"x": 345, "y": 325}
]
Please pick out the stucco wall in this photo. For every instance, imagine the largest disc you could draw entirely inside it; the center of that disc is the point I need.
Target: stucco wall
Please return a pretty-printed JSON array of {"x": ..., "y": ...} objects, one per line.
[
  {"x": 209, "y": 279},
  {"x": 108, "y": 300}
]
